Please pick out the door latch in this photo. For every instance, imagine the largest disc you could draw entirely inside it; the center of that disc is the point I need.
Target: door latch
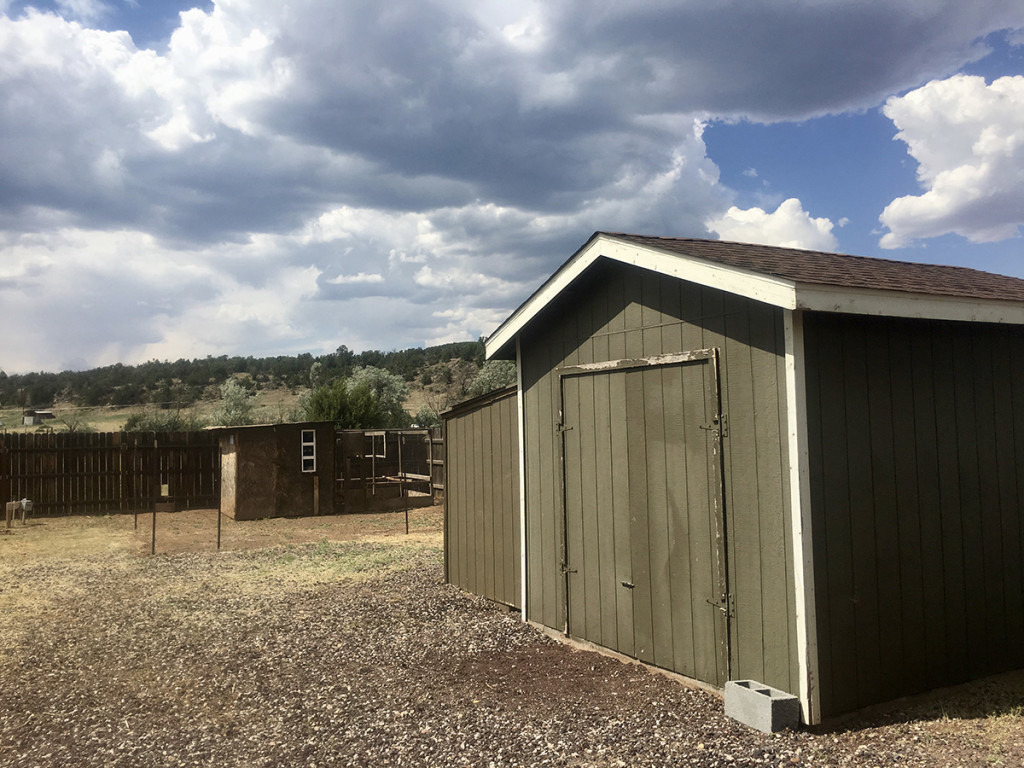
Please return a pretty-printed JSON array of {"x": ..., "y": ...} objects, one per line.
[
  {"x": 721, "y": 423},
  {"x": 724, "y": 604},
  {"x": 566, "y": 569},
  {"x": 629, "y": 585}
]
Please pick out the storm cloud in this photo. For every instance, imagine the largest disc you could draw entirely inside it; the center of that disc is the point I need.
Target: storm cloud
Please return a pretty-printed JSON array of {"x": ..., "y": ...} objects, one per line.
[{"x": 289, "y": 177}]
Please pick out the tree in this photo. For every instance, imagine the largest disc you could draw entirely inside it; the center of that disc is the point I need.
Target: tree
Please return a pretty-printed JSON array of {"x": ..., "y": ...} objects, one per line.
[
  {"x": 348, "y": 406},
  {"x": 427, "y": 417},
  {"x": 316, "y": 374},
  {"x": 75, "y": 421},
  {"x": 237, "y": 405},
  {"x": 495, "y": 374},
  {"x": 390, "y": 391}
]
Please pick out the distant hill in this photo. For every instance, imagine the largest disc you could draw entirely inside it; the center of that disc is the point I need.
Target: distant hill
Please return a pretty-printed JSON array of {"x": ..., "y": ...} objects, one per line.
[{"x": 184, "y": 382}]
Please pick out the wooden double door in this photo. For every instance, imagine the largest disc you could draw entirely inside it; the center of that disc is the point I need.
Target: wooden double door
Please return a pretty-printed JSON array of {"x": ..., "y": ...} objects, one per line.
[{"x": 644, "y": 522}]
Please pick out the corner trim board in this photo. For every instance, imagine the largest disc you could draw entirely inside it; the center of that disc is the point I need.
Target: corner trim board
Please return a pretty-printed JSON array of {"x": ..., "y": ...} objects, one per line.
[
  {"x": 800, "y": 518},
  {"x": 521, "y": 419}
]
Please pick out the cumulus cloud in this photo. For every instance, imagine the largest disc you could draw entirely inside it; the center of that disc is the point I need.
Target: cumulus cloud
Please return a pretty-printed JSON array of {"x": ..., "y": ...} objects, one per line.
[
  {"x": 968, "y": 139},
  {"x": 292, "y": 176},
  {"x": 789, "y": 226}
]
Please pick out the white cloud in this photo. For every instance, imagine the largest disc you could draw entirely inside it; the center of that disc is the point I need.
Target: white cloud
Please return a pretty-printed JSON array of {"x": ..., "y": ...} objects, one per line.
[
  {"x": 360, "y": 277},
  {"x": 968, "y": 140},
  {"x": 789, "y": 226},
  {"x": 294, "y": 176}
]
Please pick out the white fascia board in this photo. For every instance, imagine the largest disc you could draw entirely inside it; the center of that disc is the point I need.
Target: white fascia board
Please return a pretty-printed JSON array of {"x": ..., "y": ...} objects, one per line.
[
  {"x": 771, "y": 290},
  {"x": 543, "y": 296},
  {"x": 861, "y": 301}
]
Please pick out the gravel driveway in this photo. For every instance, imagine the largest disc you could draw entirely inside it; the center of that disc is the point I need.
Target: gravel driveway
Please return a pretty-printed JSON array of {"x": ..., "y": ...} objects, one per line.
[{"x": 357, "y": 654}]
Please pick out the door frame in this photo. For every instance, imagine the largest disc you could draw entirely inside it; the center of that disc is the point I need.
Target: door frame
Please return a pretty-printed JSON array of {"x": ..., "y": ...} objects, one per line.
[{"x": 718, "y": 429}]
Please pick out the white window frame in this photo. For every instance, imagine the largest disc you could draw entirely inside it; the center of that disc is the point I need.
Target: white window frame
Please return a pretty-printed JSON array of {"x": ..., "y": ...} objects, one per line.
[{"x": 307, "y": 450}]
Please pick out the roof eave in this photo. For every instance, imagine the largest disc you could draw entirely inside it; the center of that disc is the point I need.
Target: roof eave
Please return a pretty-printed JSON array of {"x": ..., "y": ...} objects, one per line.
[{"x": 769, "y": 289}]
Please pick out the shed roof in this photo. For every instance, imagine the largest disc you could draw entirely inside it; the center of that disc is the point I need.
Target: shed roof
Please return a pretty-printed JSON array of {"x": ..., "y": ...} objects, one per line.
[
  {"x": 792, "y": 278},
  {"x": 480, "y": 400},
  {"x": 842, "y": 270}
]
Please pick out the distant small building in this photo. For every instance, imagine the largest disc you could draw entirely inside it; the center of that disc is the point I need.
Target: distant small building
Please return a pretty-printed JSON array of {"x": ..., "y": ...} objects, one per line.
[
  {"x": 34, "y": 416},
  {"x": 277, "y": 470}
]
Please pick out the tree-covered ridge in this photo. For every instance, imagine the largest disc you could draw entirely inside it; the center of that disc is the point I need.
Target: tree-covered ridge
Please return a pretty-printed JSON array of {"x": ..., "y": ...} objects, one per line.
[{"x": 185, "y": 381}]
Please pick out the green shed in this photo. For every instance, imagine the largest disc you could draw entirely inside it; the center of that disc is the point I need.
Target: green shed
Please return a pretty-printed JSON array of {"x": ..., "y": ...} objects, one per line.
[{"x": 750, "y": 462}]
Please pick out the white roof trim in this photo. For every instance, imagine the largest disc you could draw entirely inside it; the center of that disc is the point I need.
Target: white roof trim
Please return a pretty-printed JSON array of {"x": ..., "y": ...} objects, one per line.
[
  {"x": 761, "y": 287},
  {"x": 776, "y": 291},
  {"x": 860, "y": 301}
]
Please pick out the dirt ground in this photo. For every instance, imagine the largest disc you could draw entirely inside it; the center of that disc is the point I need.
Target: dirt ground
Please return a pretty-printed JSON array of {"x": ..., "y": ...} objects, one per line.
[
  {"x": 195, "y": 530},
  {"x": 334, "y": 641}
]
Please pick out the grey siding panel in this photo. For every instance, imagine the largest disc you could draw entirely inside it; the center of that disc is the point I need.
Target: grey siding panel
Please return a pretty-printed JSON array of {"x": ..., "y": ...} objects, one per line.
[
  {"x": 916, "y": 494},
  {"x": 482, "y": 542},
  {"x": 617, "y": 312}
]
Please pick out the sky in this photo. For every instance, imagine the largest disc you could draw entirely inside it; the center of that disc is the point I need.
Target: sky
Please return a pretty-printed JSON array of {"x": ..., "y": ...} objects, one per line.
[{"x": 255, "y": 177}]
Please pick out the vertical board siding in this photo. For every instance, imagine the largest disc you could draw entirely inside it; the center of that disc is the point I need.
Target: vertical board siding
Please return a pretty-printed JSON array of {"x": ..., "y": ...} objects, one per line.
[
  {"x": 616, "y": 312},
  {"x": 666, "y": 523},
  {"x": 482, "y": 544},
  {"x": 86, "y": 473},
  {"x": 917, "y": 485}
]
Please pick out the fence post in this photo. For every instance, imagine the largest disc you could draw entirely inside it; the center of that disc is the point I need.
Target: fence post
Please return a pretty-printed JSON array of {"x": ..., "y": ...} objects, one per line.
[{"x": 152, "y": 547}]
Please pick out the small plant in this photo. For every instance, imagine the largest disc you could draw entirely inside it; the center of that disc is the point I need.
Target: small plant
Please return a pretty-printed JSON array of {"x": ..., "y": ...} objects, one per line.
[{"x": 75, "y": 421}]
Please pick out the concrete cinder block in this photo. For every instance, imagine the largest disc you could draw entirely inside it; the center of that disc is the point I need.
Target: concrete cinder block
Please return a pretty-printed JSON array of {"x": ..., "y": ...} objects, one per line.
[{"x": 760, "y": 706}]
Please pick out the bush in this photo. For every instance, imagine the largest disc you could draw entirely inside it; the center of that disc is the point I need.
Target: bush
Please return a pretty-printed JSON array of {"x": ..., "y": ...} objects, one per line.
[{"x": 164, "y": 421}]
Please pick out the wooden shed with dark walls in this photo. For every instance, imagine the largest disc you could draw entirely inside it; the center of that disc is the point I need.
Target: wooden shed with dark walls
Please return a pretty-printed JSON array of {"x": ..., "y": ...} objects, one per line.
[
  {"x": 277, "y": 470},
  {"x": 482, "y": 549},
  {"x": 749, "y": 462}
]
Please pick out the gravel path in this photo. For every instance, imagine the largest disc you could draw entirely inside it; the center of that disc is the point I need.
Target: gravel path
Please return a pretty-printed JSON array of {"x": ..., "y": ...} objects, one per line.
[{"x": 359, "y": 655}]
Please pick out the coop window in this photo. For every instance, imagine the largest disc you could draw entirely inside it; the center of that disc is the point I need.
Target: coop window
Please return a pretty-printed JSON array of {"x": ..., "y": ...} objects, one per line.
[{"x": 309, "y": 450}]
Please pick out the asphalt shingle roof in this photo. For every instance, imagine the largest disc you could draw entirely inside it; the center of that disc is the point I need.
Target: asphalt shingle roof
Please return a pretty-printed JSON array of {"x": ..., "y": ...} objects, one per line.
[{"x": 840, "y": 270}]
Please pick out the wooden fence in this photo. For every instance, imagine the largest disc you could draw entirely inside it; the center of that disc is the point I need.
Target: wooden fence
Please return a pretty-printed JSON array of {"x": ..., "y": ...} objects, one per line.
[
  {"x": 71, "y": 473},
  {"x": 435, "y": 459},
  {"x": 381, "y": 468}
]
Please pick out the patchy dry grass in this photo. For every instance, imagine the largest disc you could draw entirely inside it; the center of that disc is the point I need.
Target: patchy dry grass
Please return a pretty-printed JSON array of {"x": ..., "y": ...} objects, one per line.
[
  {"x": 195, "y": 530},
  {"x": 333, "y": 641}
]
